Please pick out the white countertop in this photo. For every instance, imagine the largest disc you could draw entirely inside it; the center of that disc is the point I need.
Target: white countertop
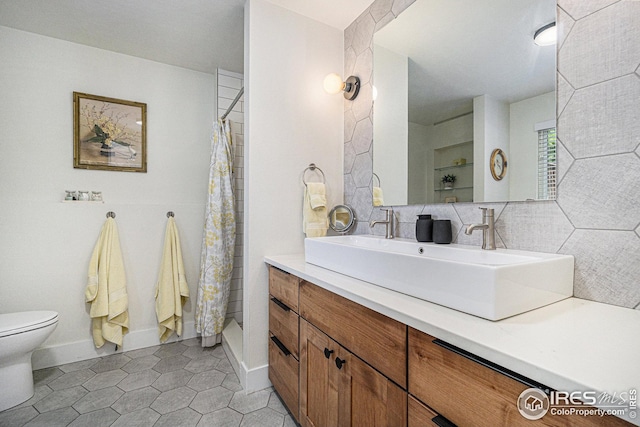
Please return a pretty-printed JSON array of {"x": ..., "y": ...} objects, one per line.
[{"x": 572, "y": 345}]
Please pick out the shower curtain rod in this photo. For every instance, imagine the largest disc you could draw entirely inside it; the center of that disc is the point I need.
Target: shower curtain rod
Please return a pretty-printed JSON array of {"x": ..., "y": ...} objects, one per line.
[{"x": 233, "y": 103}]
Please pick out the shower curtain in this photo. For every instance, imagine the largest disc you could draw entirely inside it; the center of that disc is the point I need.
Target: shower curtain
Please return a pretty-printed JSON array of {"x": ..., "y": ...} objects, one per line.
[{"x": 218, "y": 240}]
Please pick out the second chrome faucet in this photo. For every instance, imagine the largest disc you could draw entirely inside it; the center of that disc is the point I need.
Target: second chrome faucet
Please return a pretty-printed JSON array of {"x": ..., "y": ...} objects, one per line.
[
  {"x": 389, "y": 223},
  {"x": 487, "y": 227}
]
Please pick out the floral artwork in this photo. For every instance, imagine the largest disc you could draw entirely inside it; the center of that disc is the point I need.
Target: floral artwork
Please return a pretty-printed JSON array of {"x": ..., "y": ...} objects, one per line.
[{"x": 109, "y": 134}]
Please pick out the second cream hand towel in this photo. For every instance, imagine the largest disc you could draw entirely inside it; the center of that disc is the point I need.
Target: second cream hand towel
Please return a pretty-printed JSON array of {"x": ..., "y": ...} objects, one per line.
[
  {"x": 172, "y": 290},
  {"x": 315, "y": 222},
  {"x": 378, "y": 198}
]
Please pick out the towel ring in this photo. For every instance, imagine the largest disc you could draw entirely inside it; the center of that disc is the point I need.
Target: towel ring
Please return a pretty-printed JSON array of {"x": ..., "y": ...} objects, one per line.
[
  {"x": 313, "y": 167},
  {"x": 170, "y": 214},
  {"x": 111, "y": 214},
  {"x": 376, "y": 176}
]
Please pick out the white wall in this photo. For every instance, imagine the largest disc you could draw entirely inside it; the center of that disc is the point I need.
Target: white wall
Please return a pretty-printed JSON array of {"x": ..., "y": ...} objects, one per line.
[
  {"x": 418, "y": 172},
  {"x": 290, "y": 122},
  {"x": 523, "y": 149},
  {"x": 46, "y": 244},
  {"x": 391, "y": 142},
  {"x": 490, "y": 131}
]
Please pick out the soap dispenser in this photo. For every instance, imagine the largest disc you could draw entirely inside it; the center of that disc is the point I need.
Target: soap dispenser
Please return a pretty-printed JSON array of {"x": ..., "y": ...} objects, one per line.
[{"x": 424, "y": 228}]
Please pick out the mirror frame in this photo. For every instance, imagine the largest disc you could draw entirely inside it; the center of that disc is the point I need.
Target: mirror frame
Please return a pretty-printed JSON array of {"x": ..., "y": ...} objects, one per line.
[{"x": 351, "y": 223}]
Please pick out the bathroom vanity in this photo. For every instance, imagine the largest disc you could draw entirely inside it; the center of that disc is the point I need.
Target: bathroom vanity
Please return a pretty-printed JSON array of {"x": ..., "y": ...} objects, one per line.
[{"x": 346, "y": 352}]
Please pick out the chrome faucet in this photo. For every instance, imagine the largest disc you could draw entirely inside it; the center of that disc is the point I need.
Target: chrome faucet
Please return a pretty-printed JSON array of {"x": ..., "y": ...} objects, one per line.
[
  {"x": 487, "y": 227},
  {"x": 389, "y": 223}
]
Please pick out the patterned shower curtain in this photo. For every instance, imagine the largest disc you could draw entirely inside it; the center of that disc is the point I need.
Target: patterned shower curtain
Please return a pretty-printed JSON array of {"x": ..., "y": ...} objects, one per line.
[{"x": 218, "y": 240}]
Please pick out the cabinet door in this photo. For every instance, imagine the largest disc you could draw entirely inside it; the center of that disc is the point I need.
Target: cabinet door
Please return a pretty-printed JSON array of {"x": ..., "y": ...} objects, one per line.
[
  {"x": 366, "y": 397},
  {"x": 284, "y": 287},
  {"x": 283, "y": 374},
  {"x": 377, "y": 339},
  {"x": 318, "y": 378}
]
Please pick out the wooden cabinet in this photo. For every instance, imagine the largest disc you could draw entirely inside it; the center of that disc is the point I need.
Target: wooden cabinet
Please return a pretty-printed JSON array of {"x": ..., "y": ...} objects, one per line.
[
  {"x": 284, "y": 365},
  {"x": 336, "y": 363},
  {"x": 470, "y": 391},
  {"x": 377, "y": 339},
  {"x": 339, "y": 389}
]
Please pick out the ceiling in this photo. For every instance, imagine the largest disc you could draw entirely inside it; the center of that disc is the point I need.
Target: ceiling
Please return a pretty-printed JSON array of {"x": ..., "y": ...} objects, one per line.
[
  {"x": 200, "y": 35},
  {"x": 460, "y": 49}
]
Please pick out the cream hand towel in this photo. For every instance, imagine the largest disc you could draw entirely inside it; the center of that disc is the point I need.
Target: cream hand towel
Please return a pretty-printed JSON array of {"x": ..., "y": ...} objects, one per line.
[
  {"x": 107, "y": 288},
  {"x": 315, "y": 222},
  {"x": 378, "y": 198},
  {"x": 172, "y": 290},
  {"x": 317, "y": 195}
]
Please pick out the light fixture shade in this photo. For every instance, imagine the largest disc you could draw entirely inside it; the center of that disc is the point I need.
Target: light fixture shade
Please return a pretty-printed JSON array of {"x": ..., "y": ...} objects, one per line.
[
  {"x": 333, "y": 83},
  {"x": 546, "y": 35}
]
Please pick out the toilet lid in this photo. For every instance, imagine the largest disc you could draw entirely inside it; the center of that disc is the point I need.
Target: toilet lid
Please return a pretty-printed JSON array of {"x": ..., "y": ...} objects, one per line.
[{"x": 15, "y": 323}]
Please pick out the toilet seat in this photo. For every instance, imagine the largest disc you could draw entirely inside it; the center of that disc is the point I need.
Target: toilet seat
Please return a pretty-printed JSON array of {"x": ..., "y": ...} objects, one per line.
[{"x": 17, "y": 323}]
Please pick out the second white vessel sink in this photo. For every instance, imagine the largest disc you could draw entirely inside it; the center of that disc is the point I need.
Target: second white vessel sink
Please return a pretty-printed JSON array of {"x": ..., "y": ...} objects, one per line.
[{"x": 489, "y": 284}]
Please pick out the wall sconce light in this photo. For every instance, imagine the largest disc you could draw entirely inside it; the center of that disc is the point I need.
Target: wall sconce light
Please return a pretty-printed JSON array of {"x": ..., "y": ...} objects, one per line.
[
  {"x": 546, "y": 35},
  {"x": 333, "y": 84}
]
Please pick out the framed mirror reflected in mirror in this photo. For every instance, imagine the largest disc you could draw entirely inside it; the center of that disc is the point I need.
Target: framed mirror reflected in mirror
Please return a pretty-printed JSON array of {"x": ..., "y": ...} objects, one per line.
[
  {"x": 342, "y": 218},
  {"x": 455, "y": 80}
]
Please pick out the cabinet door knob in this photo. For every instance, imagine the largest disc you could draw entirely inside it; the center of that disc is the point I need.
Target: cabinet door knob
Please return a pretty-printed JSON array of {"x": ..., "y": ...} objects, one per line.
[
  {"x": 340, "y": 362},
  {"x": 327, "y": 353}
]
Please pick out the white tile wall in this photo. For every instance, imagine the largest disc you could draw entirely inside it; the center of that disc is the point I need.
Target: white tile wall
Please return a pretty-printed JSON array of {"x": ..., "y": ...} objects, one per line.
[
  {"x": 229, "y": 84},
  {"x": 599, "y": 138}
]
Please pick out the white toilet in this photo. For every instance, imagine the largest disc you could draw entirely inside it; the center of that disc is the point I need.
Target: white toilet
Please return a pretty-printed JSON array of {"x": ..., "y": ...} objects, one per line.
[{"x": 20, "y": 334}]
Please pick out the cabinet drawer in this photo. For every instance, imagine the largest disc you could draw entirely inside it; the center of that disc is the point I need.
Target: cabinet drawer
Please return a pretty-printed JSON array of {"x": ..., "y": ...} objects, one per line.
[
  {"x": 468, "y": 393},
  {"x": 377, "y": 339},
  {"x": 283, "y": 323},
  {"x": 284, "y": 375},
  {"x": 284, "y": 287},
  {"x": 421, "y": 416}
]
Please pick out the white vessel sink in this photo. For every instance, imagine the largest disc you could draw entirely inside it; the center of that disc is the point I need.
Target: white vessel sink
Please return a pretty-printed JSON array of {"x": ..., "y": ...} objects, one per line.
[{"x": 489, "y": 284}]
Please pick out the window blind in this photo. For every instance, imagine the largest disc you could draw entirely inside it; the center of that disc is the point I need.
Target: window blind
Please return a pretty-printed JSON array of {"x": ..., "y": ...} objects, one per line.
[{"x": 547, "y": 164}]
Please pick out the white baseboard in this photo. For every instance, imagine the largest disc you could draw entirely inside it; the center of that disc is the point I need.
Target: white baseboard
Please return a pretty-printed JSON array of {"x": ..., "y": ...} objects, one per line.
[
  {"x": 254, "y": 379},
  {"x": 46, "y": 357},
  {"x": 251, "y": 380}
]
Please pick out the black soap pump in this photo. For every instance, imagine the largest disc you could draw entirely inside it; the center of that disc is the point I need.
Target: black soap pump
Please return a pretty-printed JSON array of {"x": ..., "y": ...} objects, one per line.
[{"x": 424, "y": 228}]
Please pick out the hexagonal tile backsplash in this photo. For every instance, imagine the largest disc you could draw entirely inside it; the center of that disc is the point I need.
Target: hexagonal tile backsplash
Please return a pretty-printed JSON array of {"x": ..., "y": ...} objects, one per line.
[{"x": 597, "y": 214}]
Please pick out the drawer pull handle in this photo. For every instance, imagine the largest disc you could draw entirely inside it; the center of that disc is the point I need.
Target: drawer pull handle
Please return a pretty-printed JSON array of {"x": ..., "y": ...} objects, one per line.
[
  {"x": 340, "y": 362},
  {"x": 280, "y": 304},
  {"x": 281, "y": 346},
  {"x": 441, "y": 421},
  {"x": 493, "y": 366},
  {"x": 327, "y": 353}
]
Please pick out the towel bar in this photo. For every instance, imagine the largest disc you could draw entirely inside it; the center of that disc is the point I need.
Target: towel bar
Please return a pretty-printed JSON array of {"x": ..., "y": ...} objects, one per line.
[
  {"x": 376, "y": 176},
  {"x": 313, "y": 167}
]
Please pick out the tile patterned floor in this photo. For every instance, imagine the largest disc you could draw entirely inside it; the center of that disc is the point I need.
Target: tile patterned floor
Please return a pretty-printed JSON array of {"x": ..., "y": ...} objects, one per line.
[{"x": 174, "y": 385}]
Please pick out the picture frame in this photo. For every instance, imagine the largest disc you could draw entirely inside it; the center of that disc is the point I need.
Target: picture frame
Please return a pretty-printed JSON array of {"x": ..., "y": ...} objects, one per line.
[{"x": 109, "y": 133}]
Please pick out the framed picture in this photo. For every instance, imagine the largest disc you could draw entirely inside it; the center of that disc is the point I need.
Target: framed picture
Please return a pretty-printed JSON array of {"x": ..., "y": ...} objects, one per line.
[{"x": 109, "y": 134}]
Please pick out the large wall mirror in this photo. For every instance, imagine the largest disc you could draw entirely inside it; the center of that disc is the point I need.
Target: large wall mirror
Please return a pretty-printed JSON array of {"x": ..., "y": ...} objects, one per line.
[{"x": 462, "y": 90}]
